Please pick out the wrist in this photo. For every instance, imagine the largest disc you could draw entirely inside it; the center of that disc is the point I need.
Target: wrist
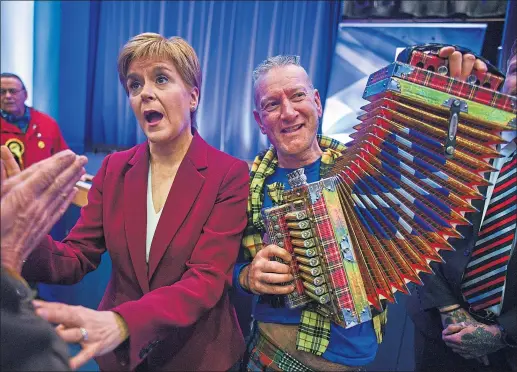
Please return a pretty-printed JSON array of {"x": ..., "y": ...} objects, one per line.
[
  {"x": 13, "y": 273},
  {"x": 122, "y": 327},
  {"x": 243, "y": 278},
  {"x": 12, "y": 265},
  {"x": 449, "y": 308}
]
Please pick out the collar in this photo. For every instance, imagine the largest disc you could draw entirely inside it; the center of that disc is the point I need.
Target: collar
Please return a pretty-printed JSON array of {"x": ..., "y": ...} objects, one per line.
[
  {"x": 197, "y": 152},
  {"x": 21, "y": 122}
]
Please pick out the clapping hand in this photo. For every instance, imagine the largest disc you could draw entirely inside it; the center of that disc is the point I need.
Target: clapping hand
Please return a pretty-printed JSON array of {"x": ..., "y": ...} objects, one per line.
[{"x": 33, "y": 200}]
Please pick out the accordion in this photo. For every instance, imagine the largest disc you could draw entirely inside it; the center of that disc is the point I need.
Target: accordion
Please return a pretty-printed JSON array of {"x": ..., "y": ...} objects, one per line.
[{"x": 399, "y": 191}]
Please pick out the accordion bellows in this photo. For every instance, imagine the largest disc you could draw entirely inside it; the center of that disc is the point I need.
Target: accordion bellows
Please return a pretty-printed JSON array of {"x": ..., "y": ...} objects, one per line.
[{"x": 395, "y": 196}]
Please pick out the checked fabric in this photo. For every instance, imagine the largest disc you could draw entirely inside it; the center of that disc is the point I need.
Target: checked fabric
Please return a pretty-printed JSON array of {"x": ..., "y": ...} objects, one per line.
[{"x": 314, "y": 329}]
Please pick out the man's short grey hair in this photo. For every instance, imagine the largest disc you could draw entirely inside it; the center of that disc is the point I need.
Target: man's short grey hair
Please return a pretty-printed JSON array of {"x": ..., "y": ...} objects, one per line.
[{"x": 272, "y": 62}]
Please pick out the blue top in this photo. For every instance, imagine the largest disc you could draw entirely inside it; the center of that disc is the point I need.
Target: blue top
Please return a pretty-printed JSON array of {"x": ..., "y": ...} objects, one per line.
[{"x": 355, "y": 346}]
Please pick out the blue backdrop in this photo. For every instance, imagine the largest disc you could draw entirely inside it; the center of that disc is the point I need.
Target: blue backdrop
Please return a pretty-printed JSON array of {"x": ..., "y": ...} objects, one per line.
[{"x": 230, "y": 37}]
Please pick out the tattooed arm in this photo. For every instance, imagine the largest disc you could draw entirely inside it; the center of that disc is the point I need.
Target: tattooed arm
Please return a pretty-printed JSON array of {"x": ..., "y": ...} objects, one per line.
[
  {"x": 468, "y": 337},
  {"x": 456, "y": 316}
]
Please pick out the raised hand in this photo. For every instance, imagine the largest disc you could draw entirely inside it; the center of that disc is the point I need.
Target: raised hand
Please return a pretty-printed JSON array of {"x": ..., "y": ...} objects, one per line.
[
  {"x": 461, "y": 65},
  {"x": 33, "y": 200},
  {"x": 263, "y": 274}
]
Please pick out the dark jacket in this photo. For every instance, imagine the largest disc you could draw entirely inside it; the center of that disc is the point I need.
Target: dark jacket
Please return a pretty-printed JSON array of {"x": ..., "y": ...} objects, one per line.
[
  {"x": 28, "y": 342},
  {"x": 444, "y": 288}
]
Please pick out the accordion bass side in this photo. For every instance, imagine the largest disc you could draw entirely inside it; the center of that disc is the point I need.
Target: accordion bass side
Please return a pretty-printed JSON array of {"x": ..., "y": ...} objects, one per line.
[{"x": 396, "y": 195}]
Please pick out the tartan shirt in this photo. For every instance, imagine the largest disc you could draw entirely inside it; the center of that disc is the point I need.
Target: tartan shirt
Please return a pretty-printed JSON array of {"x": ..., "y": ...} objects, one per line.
[{"x": 314, "y": 329}]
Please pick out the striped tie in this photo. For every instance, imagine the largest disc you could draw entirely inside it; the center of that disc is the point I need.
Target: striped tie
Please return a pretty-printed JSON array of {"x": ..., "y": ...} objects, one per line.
[{"x": 484, "y": 277}]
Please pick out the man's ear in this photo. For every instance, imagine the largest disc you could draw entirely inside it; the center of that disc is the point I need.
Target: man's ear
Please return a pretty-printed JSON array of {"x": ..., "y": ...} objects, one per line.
[
  {"x": 259, "y": 121},
  {"x": 317, "y": 99},
  {"x": 25, "y": 96}
]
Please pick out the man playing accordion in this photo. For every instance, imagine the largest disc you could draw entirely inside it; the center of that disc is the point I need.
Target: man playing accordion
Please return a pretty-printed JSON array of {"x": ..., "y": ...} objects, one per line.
[{"x": 288, "y": 109}]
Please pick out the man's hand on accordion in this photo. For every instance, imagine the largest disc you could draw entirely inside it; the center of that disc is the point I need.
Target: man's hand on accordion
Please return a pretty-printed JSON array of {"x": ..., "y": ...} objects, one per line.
[
  {"x": 461, "y": 65},
  {"x": 264, "y": 274}
]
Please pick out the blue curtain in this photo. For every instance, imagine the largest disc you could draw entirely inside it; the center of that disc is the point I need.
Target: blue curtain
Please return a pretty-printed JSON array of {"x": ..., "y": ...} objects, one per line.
[{"x": 230, "y": 37}]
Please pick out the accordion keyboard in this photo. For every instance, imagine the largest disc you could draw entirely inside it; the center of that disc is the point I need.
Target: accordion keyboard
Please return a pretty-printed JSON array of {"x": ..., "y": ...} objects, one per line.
[{"x": 311, "y": 226}]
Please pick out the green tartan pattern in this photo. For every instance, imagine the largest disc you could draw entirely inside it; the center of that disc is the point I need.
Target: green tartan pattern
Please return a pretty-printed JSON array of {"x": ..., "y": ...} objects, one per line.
[
  {"x": 276, "y": 192},
  {"x": 313, "y": 333},
  {"x": 314, "y": 329}
]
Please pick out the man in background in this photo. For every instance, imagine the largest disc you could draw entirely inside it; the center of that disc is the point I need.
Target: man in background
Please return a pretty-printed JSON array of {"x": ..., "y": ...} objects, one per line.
[
  {"x": 465, "y": 316},
  {"x": 29, "y": 134}
]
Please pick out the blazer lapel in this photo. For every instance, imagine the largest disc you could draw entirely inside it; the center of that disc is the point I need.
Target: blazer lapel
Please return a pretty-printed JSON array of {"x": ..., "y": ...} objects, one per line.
[
  {"x": 135, "y": 212},
  {"x": 182, "y": 196}
]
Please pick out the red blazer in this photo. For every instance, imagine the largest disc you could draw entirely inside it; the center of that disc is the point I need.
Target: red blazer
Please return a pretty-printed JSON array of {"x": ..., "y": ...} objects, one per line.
[
  {"x": 177, "y": 308},
  {"x": 42, "y": 139}
]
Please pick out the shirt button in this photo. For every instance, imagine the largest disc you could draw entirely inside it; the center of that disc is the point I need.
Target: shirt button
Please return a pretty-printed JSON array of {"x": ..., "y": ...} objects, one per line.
[{"x": 466, "y": 252}]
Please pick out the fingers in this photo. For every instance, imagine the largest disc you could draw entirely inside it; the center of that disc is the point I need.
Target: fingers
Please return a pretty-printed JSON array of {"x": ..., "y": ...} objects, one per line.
[
  {"x": 11, "y": 166},
  {"x": 454, "y": 342},
  {"x": 63, "y": 181},
  {"x": 86, "y": 354},
  {"x": 446, "y": 52},
  {"x": 461, "y": 66},
  {"x": 54, "y": 212},
  {"x": 275, "y": 267},
  {"x": 63, "y": 178},
  {"x": 272, "y": 251},
  {"x": 260, "y": 287},
  {"x": 57, "y": 313},
  {"x": 265, "y": 275},
  {"x": 42, "y": 175},
  {"x": 453, "y": 328},
  {"x": 271, "y": 278},
  {"x": 3, "y": 176},
  {"x": 70, "y": 335},
  {"x": 74, "y": 336},
  {"x": 481, "y": 66},
  {"x": 455, "y": 62},
  {"x": 467, "y": 65},
  {"x": 452, "y": 336},
  {"x": 66, "y": 181}
]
